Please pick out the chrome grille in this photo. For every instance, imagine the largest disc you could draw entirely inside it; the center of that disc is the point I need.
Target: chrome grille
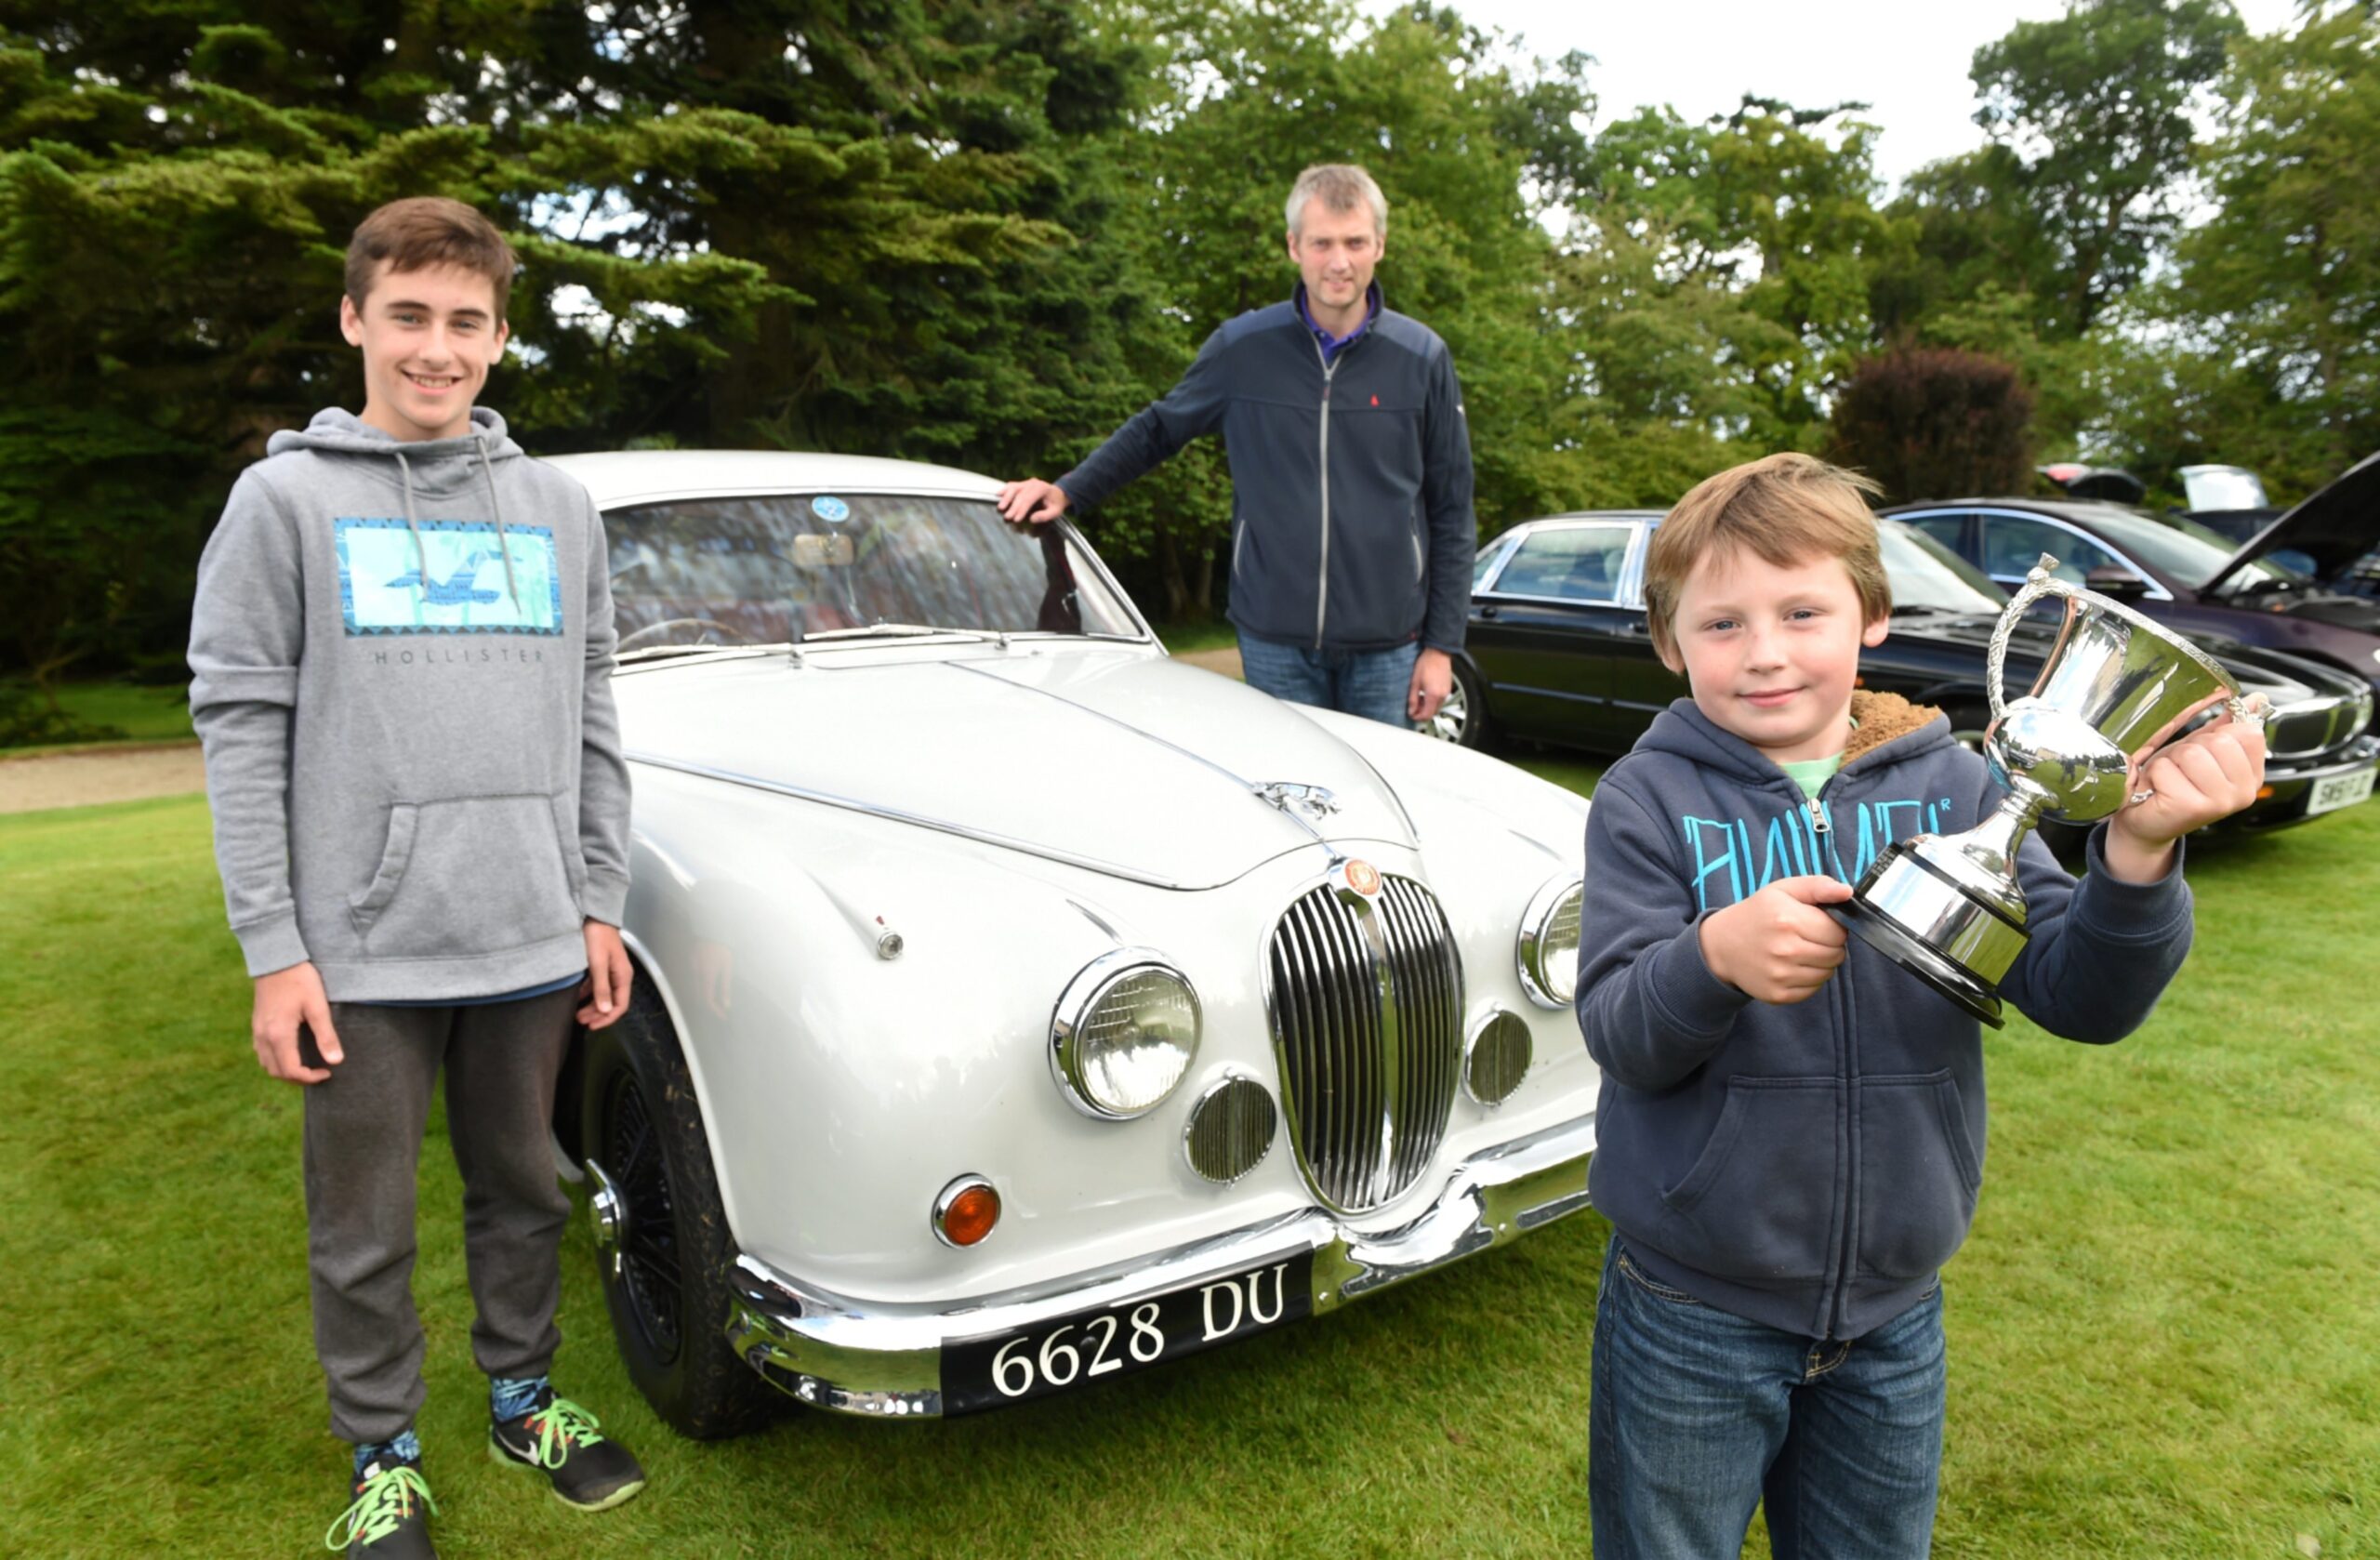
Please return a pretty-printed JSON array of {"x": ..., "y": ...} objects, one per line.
[
  {"x": 1365, "y": 993},
  {"x": 2312, "y": 726}
]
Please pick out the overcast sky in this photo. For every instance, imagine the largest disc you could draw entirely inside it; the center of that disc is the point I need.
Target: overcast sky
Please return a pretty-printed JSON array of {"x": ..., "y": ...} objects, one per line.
[{"x": 1907, "y": 61}]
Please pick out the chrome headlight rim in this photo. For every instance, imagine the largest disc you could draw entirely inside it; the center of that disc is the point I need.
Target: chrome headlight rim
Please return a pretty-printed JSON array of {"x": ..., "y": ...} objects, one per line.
[
  {"x": 1082, "y": 997},
  {"x": 1539, "y": 983}
]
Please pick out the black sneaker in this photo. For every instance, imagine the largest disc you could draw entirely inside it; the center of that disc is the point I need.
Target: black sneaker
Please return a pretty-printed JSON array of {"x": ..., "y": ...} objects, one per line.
[
  {"x": 559, "y": 1439},
  {"x": 390, "y": 1517}
]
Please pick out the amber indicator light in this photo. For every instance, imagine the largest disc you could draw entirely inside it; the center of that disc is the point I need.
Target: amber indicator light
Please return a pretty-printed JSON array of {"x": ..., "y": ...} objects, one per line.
[{"x": 970, "y": 1215}]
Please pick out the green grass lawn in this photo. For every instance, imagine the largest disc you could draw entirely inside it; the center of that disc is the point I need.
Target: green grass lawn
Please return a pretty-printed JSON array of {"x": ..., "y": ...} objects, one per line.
[
  {"x": 135, "y": 714},
  {"x": 2164, "y": 1336}
]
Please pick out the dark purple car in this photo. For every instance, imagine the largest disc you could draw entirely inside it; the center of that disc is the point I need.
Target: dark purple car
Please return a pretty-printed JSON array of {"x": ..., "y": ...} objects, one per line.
[{"x": 2185, "y": 574}]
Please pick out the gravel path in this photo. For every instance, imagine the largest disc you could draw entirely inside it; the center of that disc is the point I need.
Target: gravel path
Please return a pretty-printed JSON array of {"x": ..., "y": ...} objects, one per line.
[{"x": 30, "y": 784}]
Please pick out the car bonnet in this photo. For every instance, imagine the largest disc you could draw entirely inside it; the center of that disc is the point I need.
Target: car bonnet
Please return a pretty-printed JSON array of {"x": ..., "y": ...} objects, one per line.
[
  {"x": 2336, "y": 527},
  {"x": 1141, "y": 767}
]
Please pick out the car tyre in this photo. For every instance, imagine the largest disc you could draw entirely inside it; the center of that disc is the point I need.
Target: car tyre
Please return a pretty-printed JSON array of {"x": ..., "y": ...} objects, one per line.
[
  {"x": 1463, "y": 719},
  {"x": 670, "y": 1298}
]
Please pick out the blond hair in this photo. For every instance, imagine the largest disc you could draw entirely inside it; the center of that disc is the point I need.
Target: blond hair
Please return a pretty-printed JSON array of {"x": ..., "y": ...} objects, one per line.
[
  {"x": 1340, "y": 187},
  {"x": 1784, "y": 509}
]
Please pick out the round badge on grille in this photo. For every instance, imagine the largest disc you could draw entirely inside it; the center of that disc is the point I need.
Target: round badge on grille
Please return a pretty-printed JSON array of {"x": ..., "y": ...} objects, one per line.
[
  {"x": 1231, "y": 1130},
  {"x": 1364, "y": 877}
]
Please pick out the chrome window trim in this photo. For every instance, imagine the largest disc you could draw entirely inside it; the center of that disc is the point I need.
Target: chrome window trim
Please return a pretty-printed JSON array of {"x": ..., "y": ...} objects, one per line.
[
  {"x": 2156, "y": 591},
  {"x": 1081, "y": 995},
  {"x": 948, "y": 1194},
  {"x": 1520, "y": 534},
  {"x": 770, "y": 490},
  {"x": 1525, "y": 951}
]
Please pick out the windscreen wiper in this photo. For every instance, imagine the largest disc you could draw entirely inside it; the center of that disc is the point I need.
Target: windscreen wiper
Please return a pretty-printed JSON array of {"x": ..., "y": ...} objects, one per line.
[{"x": 903, "y": 631}]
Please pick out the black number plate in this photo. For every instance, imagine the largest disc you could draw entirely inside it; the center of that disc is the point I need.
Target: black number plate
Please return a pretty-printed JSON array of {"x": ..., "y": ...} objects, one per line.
[{"x": 1092, "y": 1345}]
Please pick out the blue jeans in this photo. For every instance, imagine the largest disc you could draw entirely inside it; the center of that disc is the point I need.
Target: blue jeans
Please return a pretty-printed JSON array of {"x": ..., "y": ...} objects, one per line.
[
  {"x": 1372, "y": 683},
  {"x": 1698, "y": 1415}
]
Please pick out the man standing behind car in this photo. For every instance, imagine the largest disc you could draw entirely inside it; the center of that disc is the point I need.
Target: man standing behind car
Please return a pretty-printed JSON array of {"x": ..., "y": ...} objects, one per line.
[{"x": 1351, "y": 530}]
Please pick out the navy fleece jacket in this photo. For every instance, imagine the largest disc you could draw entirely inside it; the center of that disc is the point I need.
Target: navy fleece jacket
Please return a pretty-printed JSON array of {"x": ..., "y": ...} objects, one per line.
[
  {"x": 1351, "y": 525},
  {"x": 1812, "y": 1166}
]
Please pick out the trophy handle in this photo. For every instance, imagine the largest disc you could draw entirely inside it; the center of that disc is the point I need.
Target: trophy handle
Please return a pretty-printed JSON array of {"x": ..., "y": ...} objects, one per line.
[{"x": 2039, "y": 583}]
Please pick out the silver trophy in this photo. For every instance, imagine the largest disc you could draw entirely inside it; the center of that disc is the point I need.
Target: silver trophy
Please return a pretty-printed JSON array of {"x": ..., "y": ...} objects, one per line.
[{"x": 2116, "y": 687}]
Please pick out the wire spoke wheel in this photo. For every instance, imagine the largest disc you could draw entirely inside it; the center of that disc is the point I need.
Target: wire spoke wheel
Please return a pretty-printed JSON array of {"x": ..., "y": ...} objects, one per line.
[{"x": 649, "y": 1257}]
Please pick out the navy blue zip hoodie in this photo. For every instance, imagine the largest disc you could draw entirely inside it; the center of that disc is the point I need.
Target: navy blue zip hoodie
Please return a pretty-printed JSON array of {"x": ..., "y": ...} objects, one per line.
[
  {"x": 1811, "y": 1166},
  {"x": 1350, "y": 525}
]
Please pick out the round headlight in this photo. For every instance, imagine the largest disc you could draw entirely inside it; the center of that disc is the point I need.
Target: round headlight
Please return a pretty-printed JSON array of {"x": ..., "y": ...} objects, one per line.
[
  {"x": 1124, "y": 1034},
  {"x": 1548, "y": 955}
]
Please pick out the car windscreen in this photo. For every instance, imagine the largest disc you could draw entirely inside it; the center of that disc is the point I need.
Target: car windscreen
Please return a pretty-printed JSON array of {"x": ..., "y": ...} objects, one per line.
[
  {"x": 2178, "y": 547},
  {"x": 1925, "y": 573},
  {"x": 780, "y": 568}
]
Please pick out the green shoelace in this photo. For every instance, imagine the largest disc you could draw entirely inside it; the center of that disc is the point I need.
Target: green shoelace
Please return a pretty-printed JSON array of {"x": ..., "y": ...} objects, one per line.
[
  {"x": 562, "y": 1427},
  {"x": 385, "y": 1500}
]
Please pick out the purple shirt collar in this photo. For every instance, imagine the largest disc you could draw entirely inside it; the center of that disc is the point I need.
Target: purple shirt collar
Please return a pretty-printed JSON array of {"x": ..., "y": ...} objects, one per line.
[{"x": 1333, "y": 345}]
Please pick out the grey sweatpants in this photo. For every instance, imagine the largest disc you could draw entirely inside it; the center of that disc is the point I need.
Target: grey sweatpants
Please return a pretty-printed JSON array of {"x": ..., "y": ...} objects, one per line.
[{"x": 364, "y": 1131}]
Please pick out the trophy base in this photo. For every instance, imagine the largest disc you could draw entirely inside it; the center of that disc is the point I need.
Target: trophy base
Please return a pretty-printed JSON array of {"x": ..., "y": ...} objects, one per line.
[{"x": 1895, "y": 942}]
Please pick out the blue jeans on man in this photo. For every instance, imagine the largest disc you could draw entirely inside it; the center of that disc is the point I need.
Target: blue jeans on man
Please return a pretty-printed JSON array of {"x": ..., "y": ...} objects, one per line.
[
  {"x": 1696, "y": 1416},
  {"x": 1372, "y": 683}
]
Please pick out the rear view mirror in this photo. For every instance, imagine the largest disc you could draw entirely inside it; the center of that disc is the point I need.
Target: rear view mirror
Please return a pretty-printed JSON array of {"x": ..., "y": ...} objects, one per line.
[{"x": 813, "y": 551}]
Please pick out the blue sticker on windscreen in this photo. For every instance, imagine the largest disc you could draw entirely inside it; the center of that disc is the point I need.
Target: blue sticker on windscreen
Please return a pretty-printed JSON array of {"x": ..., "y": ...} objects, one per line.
[{"x": 833, "y": 511}]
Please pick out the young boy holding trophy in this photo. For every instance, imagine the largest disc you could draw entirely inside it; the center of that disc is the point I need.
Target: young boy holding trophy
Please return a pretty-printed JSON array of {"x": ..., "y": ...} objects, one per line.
[{"x": 1791, "y": 1124}]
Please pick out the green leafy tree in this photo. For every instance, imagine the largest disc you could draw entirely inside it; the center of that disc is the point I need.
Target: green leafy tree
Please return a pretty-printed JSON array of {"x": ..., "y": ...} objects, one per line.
[
  {"x": 2091, "y": 112},
  {"x": 2279, "y": 291},
  {"x": 1716, "y": 283}
]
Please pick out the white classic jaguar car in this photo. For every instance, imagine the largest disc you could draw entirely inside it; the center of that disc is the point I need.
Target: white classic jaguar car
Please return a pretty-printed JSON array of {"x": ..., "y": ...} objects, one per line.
[{"x": 1019, "y": 1007}]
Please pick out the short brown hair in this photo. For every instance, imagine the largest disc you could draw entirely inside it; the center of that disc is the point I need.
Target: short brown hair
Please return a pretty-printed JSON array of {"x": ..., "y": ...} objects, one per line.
[
  {"x": 426, "y": 230},
  {"x": 1783, "y": 508}
]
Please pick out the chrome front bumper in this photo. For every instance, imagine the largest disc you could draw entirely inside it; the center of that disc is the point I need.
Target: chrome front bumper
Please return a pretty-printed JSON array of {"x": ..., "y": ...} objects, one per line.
[{"x": 864, "y": 1358}]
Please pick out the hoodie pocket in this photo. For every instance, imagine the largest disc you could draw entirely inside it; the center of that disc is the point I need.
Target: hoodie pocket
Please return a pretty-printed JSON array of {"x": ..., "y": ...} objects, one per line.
[
  {"x": 1917, "y": 1174},
  {"x": 1757, "y": 1203},
  {"x": 467, "y": 876}
]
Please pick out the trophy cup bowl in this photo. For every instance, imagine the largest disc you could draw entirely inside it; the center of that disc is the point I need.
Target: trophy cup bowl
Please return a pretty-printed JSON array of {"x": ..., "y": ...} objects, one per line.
[{"x": 2115, "y": 688}]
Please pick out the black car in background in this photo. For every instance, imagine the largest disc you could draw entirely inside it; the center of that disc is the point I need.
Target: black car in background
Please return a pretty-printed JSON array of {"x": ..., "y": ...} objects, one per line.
[
  {"x": 2193, "y": 578},
  {"x": 1557, "y": 651}
]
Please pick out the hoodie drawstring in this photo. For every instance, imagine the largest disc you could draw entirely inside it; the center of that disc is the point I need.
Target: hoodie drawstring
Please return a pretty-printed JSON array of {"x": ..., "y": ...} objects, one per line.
[
  {"x": 502, "y": 546},
  {"x": 420, "y": 553}
]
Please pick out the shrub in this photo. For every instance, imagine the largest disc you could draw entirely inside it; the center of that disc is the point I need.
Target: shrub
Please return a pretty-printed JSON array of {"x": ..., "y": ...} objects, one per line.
[{"x": 1936, "y": 422}]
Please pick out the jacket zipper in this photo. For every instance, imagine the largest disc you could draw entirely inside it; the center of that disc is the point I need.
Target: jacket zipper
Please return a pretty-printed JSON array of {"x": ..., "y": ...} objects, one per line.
[
  {"x": 1322, "y": 589},
  {"x": 1846, "y": 1248}
]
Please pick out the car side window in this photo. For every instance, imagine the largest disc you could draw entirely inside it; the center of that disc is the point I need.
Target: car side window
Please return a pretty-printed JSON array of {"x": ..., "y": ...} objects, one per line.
[
  {"x": 2012, "y": 545},
  {"x": 1574, "y": 563},
  {"x": 1950, "y": 529}
]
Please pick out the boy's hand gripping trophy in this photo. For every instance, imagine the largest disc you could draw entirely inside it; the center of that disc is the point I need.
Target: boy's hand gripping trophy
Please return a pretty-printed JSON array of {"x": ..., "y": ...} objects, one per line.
[{"x": 2115, "y": 688}]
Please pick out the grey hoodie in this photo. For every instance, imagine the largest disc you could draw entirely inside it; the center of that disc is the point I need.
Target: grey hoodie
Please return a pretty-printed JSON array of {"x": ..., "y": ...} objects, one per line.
[{"x": 401, "y": 657}]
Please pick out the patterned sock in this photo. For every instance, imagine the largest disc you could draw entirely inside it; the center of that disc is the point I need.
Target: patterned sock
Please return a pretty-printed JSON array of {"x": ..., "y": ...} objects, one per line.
[
  {"x": 509, "y": 1397},
  {"x": 407, "y": 1448}
]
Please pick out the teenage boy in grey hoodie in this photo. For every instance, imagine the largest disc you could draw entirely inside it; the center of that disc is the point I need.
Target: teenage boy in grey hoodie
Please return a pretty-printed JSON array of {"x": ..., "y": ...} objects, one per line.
[
  {"x": 1792, "y": 1126},
  {"x": 403, "y": 646}
]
